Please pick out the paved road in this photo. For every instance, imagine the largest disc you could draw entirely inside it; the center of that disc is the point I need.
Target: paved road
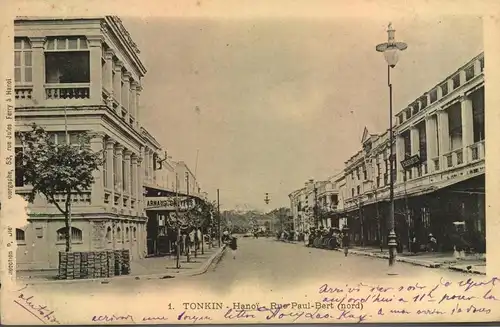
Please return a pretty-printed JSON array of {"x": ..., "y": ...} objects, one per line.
[{"x": 273, "y": 265}]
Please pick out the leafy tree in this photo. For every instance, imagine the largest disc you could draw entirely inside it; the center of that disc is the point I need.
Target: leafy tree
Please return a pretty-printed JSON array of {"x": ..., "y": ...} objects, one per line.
[{"x": 52, "y": 169}]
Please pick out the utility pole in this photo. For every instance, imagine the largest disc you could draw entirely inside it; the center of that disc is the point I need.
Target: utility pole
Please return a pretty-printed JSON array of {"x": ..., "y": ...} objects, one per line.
[
  {"x": 315, "y": 210},
  {"x": 178, "y": 265},
  {"x": 218, "y": 218}
]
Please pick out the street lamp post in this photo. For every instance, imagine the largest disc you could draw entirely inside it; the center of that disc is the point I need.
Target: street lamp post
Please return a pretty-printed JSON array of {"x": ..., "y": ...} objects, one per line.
[{"x": 391, "y": 51}]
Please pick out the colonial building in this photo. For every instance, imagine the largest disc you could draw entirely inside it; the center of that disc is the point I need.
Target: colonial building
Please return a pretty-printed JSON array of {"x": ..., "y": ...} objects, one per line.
[
  {"x": 438, "y": 165},
  {"x": 438, "y": 169},
  {"x": 76, "y": 75},
  {"x": 314, "y": 205}
]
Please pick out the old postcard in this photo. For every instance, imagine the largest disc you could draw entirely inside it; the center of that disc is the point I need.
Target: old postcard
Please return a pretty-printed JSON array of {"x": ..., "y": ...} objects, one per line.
[{"x": 209, "y": 162}]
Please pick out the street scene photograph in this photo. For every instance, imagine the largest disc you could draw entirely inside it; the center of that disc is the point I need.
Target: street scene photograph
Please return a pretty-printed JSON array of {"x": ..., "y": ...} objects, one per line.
[{"x": 220, "y": 163}]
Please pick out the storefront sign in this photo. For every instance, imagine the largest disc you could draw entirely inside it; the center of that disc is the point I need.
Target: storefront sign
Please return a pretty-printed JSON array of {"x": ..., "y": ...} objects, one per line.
[
  {"x": 169, "y": 203},
  {"x": 410, "y": 162}
]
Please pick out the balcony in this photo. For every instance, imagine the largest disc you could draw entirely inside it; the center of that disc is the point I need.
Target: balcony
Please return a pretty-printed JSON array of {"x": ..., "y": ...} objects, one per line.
[{"x": 69, "y": 91}]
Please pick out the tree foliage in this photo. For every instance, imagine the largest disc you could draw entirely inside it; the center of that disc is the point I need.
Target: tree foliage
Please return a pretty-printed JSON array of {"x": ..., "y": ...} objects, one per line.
[
  {"x": 202, "y": 214},
  {"x": 53, "y": 169}
]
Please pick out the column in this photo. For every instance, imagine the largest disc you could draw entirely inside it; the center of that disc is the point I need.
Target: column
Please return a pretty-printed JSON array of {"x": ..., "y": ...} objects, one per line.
[
  {"x": 97, "y": 196},
  {"x": 127, "y": 182},
  {"x": 133, "y": 184},
  {"x": 95, "y": 44},
  {"x": 125, "y": 94},
  {"x": 467, "y": 127},
  {"x": 107, "y": 78},
  {"x": 138, "y": 104},
  {"x": 415, "y": 148},
  {"x": 133, "y": 101},
  {"x": 110, "y": 180},
  {"x": 38, "y": 66},
  {"x": 119, "y": 173},
  {"x": 117, "y": 83},
  {"x": 400, "y": 155},
  {"x": 431, "y": 141},
  {"x": 444, "y": 137},
  {"x": 140, "y": 183},
  {"x": 462, "y": 77},
  {"x": 477, "y": 67},
  {"x": 439, "y": 92}
]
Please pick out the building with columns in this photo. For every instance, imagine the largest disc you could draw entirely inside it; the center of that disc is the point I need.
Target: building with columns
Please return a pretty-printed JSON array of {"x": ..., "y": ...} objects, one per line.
[
  {"x": 439, "y": 170},
  {"x": 74, "y": 75},
  {"x": 438, "y": 165}
]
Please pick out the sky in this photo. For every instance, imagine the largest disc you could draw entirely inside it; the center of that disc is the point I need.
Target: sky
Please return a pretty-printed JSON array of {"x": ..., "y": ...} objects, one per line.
[{"x": 269, "y": 103}]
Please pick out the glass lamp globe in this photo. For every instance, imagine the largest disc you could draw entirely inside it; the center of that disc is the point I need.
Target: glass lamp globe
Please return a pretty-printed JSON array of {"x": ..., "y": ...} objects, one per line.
[{"x": 391, "y": 56}]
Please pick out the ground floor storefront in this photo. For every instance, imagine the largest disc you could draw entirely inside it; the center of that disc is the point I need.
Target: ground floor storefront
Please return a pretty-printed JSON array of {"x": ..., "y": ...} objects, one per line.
[
  {"x": 41, "y": 240},
  {"x": 444, "y": 213}
]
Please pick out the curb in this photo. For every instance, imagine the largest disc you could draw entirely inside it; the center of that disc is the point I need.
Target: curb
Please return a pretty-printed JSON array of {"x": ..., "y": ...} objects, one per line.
[
  {"x": 428, "y": 264},
  {"x": 212, "y": 261},
  {"x": 217, "y": 255},
  {"x": 471, "y": 271}
]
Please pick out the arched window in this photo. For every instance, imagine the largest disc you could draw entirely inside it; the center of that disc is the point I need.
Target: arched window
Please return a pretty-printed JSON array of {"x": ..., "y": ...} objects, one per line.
[
  {"x": 118, "y": 234},
  {"x": 127, "y": 236},
  {"x": 135, "y": 233},
  {"x": 76, "y": 234},
  {"x": 108, "y": 234},
  {"x": 20, "y": 235}
]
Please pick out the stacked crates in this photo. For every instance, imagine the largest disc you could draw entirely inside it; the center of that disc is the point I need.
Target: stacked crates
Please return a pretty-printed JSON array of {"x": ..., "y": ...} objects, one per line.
[
  {"x": 102, "y": 264},
  {"x": 118, "y": 262},
  {"x": 125, "y": 262},
  {"x": 63, "y": 265}
]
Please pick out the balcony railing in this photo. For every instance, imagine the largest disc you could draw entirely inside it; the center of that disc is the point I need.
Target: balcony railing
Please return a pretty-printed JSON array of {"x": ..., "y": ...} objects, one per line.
[
  {"x": 23, "y": 92},
  {"x": 477, "y": 150},
  {"x": 67, "y": 91},
  {"x": 436, "y": 163}
]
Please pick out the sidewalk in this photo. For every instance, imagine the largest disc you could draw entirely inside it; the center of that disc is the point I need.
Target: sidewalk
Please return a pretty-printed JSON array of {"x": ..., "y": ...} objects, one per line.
[
  {"x": 147, "y": 268},
  {"x": 471, "y": 264}
]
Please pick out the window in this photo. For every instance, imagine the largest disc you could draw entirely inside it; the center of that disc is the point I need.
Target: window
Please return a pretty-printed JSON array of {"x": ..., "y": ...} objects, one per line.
[
  {"x": 352, "y": 192},
  {"x": 469, "y": 73},
  {"x": 108, "y": 234},
  {"x": 119, "y": 234},
  {"x": 127, "y": 236},
  {"x": 456, "y": 81},
  {"x": 365, "y": 176},
  {"x": 135, "y": 233},
  {"x": 115, "y": 168},
  {"x": 67, "y": 60},
  {"x": 358, "y": 189},
  {"x": 76, "y": 234},
  {"x": 22, "y": 61},
  {"x": 133, "y": 187},
  {"x": 357, "y": 173},
  {"x": 124, "y": 178},
  {"x": 20, "y": 235},
  {"x": 444, "y": 89}
]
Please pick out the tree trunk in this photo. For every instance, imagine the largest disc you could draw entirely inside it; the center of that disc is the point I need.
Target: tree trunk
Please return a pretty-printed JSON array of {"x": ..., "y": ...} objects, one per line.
[
  {"x": 178, "y": 245},
  {"x": 68, "y": 222}
]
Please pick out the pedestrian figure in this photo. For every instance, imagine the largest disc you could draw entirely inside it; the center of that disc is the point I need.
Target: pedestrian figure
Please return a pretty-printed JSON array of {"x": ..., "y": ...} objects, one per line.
[
  {"x": 432, "y": 243},
  {"x": 232, "y": 243},
  {"x": 345, "y": 241}
]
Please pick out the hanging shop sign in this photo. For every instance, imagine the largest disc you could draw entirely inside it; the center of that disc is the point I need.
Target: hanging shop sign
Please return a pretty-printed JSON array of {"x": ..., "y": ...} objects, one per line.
[
  {"x": 169, "y": 203},
  {"x": 410, "y": 162}
]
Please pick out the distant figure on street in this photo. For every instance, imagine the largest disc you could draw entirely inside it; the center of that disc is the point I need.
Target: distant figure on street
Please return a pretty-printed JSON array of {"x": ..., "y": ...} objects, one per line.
[
  {"x": 233, "y": 245},
  {"x": 225, "y": 237},
  {"x": 432, "y": 243},
  {"x": 345, "y": 241}
]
